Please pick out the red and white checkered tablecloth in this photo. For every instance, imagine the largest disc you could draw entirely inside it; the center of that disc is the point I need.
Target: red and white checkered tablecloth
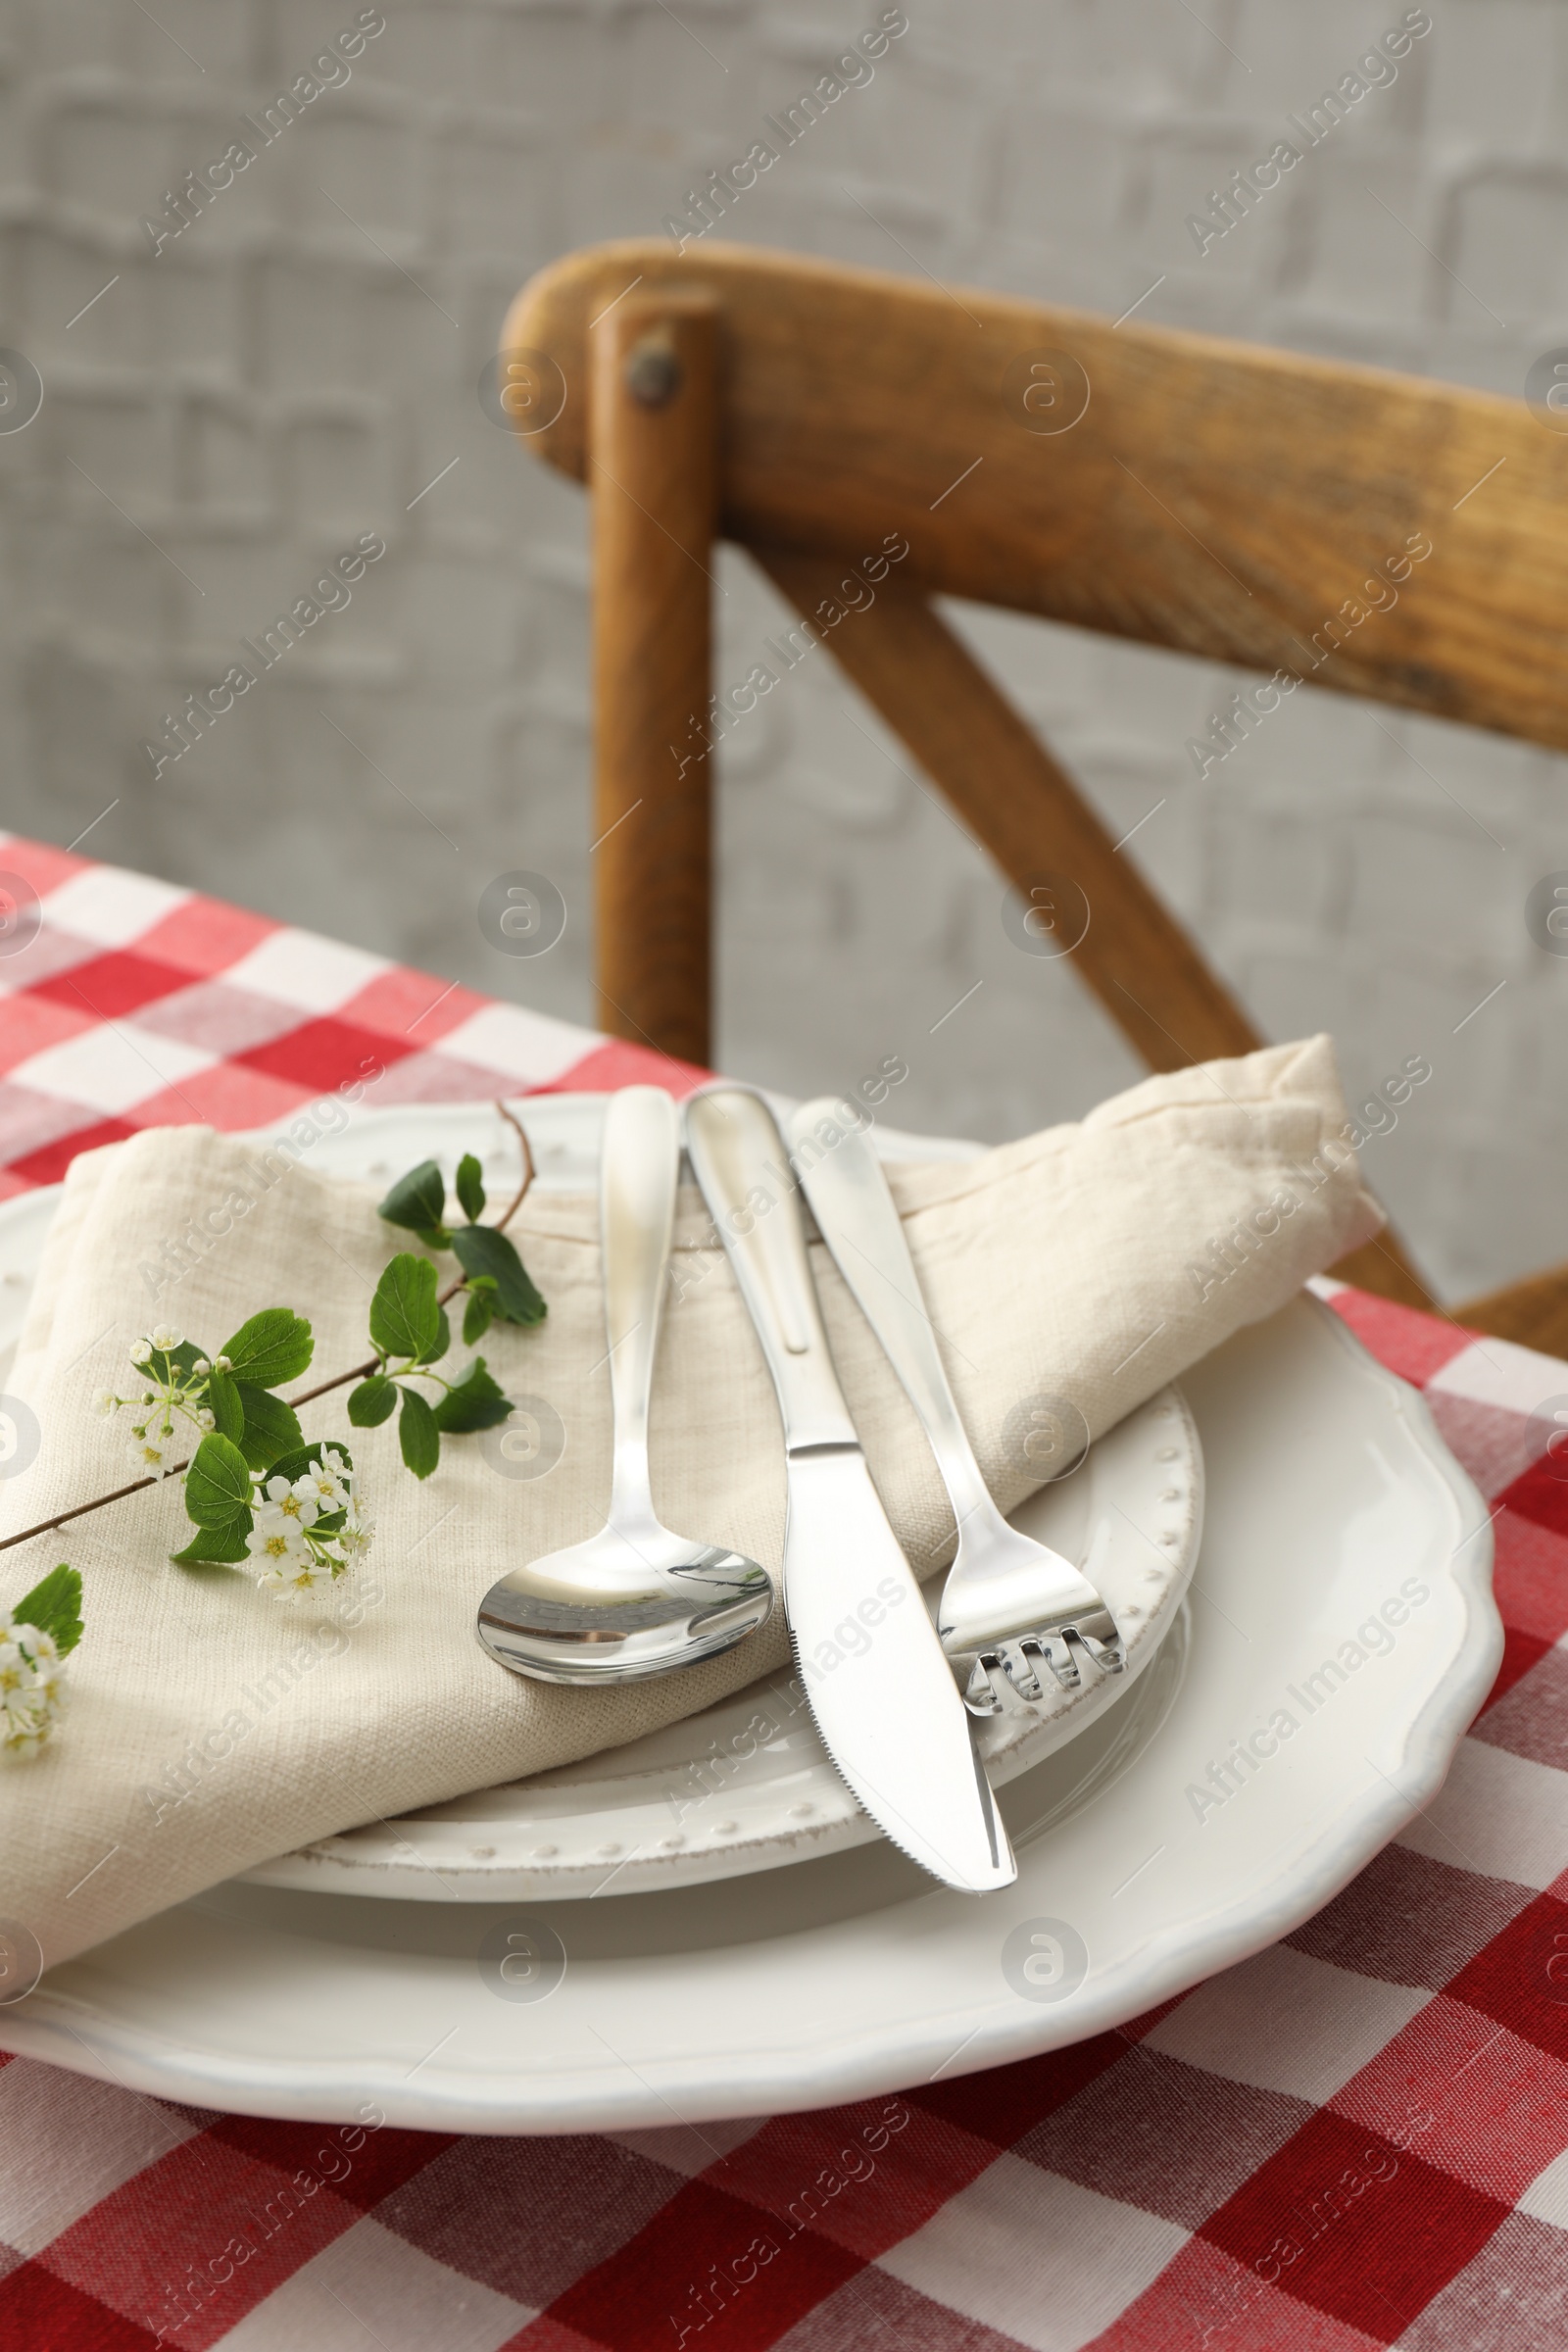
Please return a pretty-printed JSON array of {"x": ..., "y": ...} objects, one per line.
[{"x": 1358, "y": 2138}]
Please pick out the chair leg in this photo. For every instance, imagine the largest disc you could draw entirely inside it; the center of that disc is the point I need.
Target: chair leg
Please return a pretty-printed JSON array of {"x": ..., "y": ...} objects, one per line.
[
  {"x": 1025, "y": 810},
  {"x": 654, "y": 474}
]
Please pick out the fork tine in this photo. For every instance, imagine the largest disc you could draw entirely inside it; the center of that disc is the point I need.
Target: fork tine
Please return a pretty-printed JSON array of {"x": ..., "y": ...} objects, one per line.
[
  {"x": 981, "y": 1697},
  {"x": 1021, "y": 1671},
  {"x": 1052, "y": 1648},
  {"x": 1014, "y": 1667},
  {"x": 1109, "y": 1655},
  {"x": 1084, "y": 1630}
]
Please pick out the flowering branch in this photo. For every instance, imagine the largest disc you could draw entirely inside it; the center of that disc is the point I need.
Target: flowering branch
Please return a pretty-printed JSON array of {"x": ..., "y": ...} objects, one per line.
[
  {"x": 254, "y": 1489},
  {"x": 36, "y": 1638},
  {"x": 357, "y": 1372}
]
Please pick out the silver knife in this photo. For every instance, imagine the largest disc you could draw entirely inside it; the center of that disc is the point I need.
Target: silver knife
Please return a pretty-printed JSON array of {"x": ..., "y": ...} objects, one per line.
[{"x": 880, "y": 1690}]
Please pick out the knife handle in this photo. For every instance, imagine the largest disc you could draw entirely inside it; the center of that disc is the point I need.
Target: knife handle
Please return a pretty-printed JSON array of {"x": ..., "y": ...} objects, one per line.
[{"x": 738, "y": 1157}]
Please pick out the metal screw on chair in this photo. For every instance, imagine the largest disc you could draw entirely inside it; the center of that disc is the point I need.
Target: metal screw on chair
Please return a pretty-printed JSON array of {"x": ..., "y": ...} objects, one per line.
[{"x": 654, "y": 373}]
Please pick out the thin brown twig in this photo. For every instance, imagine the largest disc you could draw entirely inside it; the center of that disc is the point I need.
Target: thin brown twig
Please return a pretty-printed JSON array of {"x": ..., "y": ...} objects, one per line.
[
  {"x": 97, "y": 1503},
  {"x": 521, "y": 1194},
  {"x": 341, "y": 1379}
]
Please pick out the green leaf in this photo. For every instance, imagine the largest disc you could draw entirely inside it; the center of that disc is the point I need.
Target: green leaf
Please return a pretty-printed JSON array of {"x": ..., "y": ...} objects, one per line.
[
  {"x": 481, "y": 1306},
  {"x": 417, "y": 1199},
  {"x": 221, "y": 1395},
  {"x": 272, "y": 1346},
  {"x": 272, "y": 1427},
  {"x": 404, "y": 1319},
  {"x": 474, "y": 1403},
  {"x": 481, "y": 1249},
  {"x": 294, "y": 1465},
  {"x": 54, "y": 1606},
  {"x": 216, "y": 1545},
  {"x": 372, "y": 1401},
  {"x": 471, "y": 1188},
  {"x": 217, "y": 1484},
  {"x": 417, "y": 1434}
]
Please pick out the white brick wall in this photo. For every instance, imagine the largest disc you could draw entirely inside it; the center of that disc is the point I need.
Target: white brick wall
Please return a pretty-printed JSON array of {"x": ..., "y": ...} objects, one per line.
[{"x": 304, "y": 361}]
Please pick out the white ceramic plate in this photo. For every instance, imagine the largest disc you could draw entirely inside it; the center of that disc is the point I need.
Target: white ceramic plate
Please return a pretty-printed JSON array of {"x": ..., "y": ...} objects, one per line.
[
  {"x": 1333, "y": 1509},
  {"x": 746, "y": 1786}
]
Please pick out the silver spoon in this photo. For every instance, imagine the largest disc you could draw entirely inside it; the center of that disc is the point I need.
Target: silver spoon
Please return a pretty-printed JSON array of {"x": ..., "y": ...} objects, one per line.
[{"x": 635, "y": 1599}]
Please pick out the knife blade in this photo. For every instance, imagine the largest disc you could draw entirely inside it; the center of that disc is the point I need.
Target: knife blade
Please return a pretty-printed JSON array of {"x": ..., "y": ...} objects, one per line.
[{"x": 881, "y": 1693}]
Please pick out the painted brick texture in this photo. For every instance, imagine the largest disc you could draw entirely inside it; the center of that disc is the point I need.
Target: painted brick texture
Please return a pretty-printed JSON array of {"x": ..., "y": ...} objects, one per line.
[{"x": 301, "y": 367}]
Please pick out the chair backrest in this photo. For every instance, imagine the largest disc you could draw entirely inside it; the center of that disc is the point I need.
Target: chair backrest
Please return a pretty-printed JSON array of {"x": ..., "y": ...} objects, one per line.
[
  {"x": 1223, "y": 500},
  {"x": 1374, "y": 534}
]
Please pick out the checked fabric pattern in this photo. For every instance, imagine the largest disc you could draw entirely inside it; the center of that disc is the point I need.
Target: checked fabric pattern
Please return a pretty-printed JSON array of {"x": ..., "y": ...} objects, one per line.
[
  {"x": 1358, "y": 2138},
  {"x": 138, "y": 1005}
]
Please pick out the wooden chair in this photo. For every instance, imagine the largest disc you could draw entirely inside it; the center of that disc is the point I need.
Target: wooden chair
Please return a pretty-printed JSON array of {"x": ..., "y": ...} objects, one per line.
[{"x": 1167, "y": 487}]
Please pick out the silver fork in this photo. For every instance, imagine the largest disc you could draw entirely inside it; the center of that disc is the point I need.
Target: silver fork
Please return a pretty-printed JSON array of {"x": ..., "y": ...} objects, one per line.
[{"x": 1011, "y": 1608}]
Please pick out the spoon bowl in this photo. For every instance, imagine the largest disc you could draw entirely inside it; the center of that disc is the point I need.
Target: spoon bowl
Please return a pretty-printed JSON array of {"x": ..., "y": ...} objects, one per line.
[{"x": 620, "y": 1608}]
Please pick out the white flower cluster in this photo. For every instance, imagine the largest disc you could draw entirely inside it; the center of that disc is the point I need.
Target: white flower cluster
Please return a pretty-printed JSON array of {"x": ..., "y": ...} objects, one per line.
[
  {"x": 151, "y": 1444},
  {"x": 33, "y": 1686},
  {"x": 307, "y": 1530}
]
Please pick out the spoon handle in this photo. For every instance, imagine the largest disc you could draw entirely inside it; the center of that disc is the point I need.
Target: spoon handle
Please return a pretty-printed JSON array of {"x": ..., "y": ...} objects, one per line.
[{"x": 636, "y": 1214}]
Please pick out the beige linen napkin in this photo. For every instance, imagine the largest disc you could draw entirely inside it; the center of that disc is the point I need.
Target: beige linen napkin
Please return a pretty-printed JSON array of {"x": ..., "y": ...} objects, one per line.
[{"x": 213, "y": 1726}]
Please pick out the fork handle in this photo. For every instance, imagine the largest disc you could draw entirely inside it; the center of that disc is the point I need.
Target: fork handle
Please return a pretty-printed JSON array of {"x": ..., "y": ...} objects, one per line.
[{"x": 859, "y": 1220}]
